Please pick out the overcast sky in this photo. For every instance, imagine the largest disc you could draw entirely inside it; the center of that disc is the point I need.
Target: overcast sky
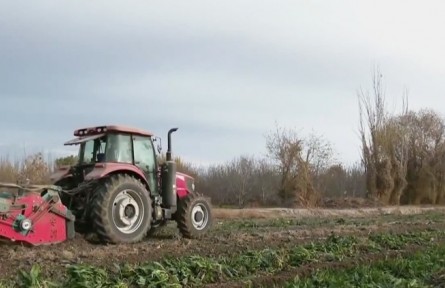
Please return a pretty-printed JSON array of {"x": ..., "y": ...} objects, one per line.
[{"x": 224, "y": 72}]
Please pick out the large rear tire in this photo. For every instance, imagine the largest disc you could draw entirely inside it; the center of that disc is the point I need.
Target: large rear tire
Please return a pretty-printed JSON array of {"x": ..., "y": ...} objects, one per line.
[
  {"x": 122, "y": 210},
  {"x": 194, "y": 216}
]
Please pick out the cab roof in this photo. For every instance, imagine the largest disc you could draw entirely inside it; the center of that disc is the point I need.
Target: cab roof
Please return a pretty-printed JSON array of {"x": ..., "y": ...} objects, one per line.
[{"x": 111, "y": 128}]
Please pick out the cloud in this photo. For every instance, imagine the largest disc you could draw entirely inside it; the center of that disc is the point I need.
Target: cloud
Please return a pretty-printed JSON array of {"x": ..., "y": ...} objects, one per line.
[{"x": 223, "y": 72}]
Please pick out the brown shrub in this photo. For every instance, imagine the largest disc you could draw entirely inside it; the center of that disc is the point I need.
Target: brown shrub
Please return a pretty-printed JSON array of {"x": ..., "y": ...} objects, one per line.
[{"x": 33, "y": 169}]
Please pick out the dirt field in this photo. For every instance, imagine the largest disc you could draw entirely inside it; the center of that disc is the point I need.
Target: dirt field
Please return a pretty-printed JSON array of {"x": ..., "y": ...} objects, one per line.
[{"x": 234, "y": 233}]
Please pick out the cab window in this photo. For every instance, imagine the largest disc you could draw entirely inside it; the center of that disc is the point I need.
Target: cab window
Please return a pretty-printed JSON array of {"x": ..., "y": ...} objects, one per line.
[
  {"x": 144, "y": 156},
  {"x": 119, "y": 148}
]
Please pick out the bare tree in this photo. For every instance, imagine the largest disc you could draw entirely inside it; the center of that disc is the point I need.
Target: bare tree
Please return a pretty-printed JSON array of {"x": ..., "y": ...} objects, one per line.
[
  {"x": 210, "y": 180},
  {"x": 298, "y": 161},
  {"x": 319, "y": 153},
  {"x": 426, "y": 134},
  {"x": 384, "y": 145},
  {"x": 241, "y": 171},
  {"x": 333, "y": 181},
  {"x": 403, "y": 153},
  {"x": 356, "y": 181},
  {"x": 266, "y": 183},
  {"x": 285, "y": 148}
]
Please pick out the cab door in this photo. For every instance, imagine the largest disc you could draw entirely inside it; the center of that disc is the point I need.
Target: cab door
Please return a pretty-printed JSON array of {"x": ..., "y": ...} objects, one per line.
[{"x": 145, "y": 159}]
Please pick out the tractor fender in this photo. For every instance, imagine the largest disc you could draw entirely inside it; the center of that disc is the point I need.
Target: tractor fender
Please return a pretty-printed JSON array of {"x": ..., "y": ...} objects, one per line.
[{"x": 105, "y": 169}]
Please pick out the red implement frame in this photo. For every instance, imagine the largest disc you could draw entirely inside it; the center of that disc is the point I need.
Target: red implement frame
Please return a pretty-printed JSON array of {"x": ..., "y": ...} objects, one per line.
[{"x": 34, "y": 216}]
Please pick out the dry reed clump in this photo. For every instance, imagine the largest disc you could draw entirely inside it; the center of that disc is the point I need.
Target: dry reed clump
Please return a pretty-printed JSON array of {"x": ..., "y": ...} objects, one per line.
[
  {"x": 403, "y": 154},
  {"x": 8, "y": 170},
  {"x": 299, "y": 162},
  {"x": 33, "y": 169}
]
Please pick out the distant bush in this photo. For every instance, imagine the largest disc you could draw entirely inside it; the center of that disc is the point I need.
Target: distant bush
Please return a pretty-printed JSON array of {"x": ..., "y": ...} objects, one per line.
[
  {"x": 33, "y": 169},
  {"x": 66, "y": 161}
]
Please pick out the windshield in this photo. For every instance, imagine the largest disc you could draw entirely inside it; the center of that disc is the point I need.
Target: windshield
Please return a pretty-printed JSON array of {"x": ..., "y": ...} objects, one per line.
[
  {"x": 92, "y": 151},
  {"x": 109, "y": 148}
]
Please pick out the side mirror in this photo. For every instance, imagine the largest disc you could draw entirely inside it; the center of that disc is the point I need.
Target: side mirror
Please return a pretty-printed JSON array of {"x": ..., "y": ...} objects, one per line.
[{"x": 159, "y": 146}]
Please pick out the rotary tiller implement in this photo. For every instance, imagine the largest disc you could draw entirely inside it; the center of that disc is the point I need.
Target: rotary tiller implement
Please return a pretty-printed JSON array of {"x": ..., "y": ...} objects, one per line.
[{"x": 34, "y": 215}]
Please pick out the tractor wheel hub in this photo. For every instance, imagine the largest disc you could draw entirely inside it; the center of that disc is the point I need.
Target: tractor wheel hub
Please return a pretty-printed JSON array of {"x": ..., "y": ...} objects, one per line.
[
  {"x": 128, "y": 211},
  {"x": 200, "y": 216}
]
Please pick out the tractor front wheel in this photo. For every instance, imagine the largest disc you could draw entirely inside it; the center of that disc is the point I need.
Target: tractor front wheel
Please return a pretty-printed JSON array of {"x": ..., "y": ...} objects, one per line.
[
  {"x": 194, "y": 216},
  {"x": 122, "y": 210}
]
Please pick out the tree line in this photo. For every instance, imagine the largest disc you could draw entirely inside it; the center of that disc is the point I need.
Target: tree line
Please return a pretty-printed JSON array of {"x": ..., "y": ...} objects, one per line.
[{"x": 402, "y": 162}]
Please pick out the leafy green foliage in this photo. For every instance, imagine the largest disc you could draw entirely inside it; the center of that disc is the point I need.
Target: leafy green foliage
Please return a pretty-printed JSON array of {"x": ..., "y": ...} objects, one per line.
[
  {"x": 395, "y": 242},
  {"x": 300, "y": 255},
  {"x": 198, "y": 270},
  {"x": 423, "y": 269},
  {"x": 87, "y": 276},
  {"x": 175, "y": 272},
  {"x": 268, "y": 260},
  {"x": 149, "y": 275},
  {"x": 33, "y": 279},
  {"x": 337, "y": 247}
]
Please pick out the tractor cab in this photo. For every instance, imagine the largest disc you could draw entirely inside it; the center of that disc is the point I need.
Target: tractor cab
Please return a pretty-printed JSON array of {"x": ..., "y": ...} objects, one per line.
[
  {"x": 113, "y": 147},
  {"x": 111, "y": 144},
  {"x": 118, "y": 145}
]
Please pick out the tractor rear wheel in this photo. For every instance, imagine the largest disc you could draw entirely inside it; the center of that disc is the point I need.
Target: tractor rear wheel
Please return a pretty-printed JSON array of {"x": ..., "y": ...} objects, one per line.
[
  {"x": 122, "y": 210},
  {"x": 194, "y": 216}
]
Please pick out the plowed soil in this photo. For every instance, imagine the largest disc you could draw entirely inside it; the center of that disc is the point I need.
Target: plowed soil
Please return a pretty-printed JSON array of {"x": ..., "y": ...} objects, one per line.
[{"x": 233, "y": 231}]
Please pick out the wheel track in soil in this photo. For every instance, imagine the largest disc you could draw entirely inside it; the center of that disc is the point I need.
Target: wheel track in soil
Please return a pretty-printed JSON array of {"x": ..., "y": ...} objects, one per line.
[{"x": 218, "y": 243}]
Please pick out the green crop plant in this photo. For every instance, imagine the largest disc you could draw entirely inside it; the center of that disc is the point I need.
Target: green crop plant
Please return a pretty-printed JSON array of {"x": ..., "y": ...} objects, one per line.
[
  {"x": 423, "y": 269},
  {"x": 80, "y": 276},
  {"x": 300, "y": 255},
  {"x": 33, "y": 279},
  {"x": 335, "y": 247},
  {"x": 197, "y": 270},
  {"x": 264, "y": 260},
  {"x": 397, "y": 241}
]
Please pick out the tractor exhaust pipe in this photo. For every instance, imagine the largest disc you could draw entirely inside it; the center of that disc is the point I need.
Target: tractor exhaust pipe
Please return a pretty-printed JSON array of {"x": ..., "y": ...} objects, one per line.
[
  {"x": 169, "y": 178},
  {"x": 169, "y": 149}
]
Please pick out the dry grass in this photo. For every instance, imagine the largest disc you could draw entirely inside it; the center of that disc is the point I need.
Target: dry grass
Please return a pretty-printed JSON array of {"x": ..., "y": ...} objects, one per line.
[
  {"x": 270, "y": 213},
  {"x": 33, "y": 168},
  {"x": 9, "y": 171}
]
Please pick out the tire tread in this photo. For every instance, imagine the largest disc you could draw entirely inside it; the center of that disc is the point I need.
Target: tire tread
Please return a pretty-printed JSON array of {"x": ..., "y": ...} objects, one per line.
[
  {"x": 183, "y": 220},
  {"x": 100, "y": 213}
]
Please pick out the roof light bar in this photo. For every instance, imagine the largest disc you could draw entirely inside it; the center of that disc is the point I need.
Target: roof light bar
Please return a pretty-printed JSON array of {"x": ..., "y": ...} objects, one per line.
[{"x": 90, "y": 131}]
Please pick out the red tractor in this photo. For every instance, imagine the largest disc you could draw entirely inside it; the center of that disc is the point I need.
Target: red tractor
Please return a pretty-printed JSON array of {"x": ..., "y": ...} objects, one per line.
[{"x": 120, "y": 192}]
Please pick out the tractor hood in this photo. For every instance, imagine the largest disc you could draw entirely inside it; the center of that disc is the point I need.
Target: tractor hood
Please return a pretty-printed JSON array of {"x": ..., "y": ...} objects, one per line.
[{"x": 185, "y": 184}]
